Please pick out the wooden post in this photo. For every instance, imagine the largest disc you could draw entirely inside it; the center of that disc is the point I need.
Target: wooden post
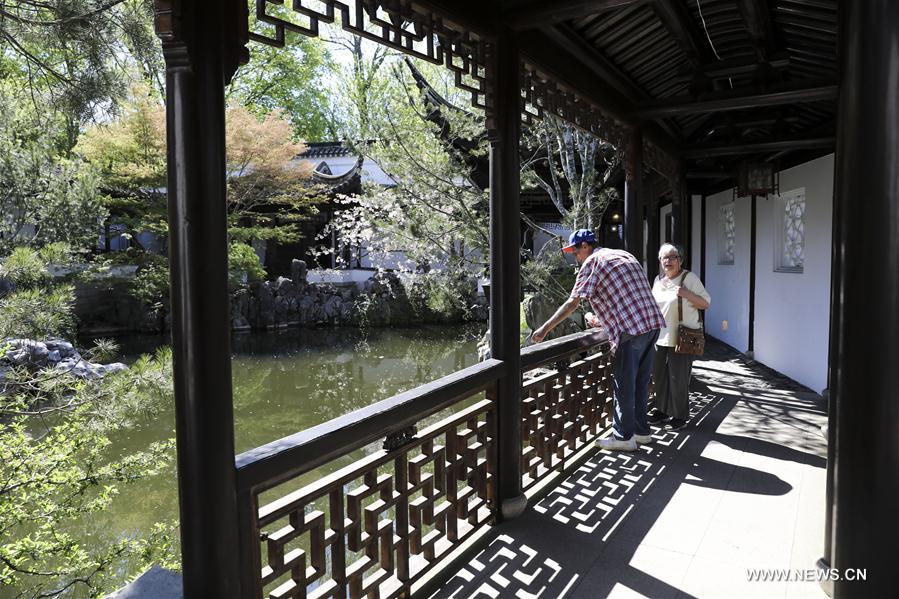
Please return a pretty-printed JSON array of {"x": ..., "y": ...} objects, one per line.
[
  {"x": 633, "y": 195},
  {"x": 197, "y": 64},
  {"x": 505, "y": 280},
  {"x": 863, "y": 376}
]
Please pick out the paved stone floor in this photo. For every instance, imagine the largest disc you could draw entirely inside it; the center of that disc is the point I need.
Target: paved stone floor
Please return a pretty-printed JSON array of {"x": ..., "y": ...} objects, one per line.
[{"x": 742, "y": 487}]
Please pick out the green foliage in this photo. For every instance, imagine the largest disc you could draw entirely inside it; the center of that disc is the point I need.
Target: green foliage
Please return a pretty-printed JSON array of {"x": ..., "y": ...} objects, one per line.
[
  {"x": 436, "y": 214},
  {"x": 73, "y": 58},
  {"x": 38, "y": 313},
  {"x": 130, "y": 152},
  {"x": 57, "y": 468},
  {"x": 151, "y": 282},
  {"x": 442, "y": 297},
  {"x": 287, "y": 79},
  {"x": 45, "y": 198},
  {"x": 25, "y": 268},
  {"x": 242, "y": 260},
  {"x": 38, "y": 308}
]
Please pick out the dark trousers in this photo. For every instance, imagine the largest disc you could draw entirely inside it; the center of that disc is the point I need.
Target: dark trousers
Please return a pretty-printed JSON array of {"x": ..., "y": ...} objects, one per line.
[
  {"x": 671, "y": 381},
  {"x": 633, "y": 366}
]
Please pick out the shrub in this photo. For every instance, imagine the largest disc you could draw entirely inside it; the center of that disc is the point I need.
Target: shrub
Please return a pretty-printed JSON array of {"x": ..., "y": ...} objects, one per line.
[{"x": 242, "y": 259}]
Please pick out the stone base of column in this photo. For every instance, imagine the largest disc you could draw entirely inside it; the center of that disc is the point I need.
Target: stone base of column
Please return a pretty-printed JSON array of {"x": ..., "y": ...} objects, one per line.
[
  {"x": 513, "y": 507},
  {"x": 825, "y": 582}
]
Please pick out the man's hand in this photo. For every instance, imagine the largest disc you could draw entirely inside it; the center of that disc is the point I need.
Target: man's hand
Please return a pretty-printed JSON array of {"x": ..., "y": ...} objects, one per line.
[
  {"x": 540, "y": 334},
  {"x": 591, "y": 319}
]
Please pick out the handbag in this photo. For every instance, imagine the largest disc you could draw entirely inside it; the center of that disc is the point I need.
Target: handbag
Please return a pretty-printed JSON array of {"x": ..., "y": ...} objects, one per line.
[{"x": 689, "y": 341}]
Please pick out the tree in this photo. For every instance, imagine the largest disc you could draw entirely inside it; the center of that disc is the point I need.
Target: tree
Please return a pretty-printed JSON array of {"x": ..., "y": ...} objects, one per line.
[
  {"x": 99, "y": 47},
  {"x": 268, "y": 193},
  {"x": 564, "y": 162},
  {"x": 57, "y": 466},
  {"x": 43, "y": 198},
  {"x": 287, "y": 79}
]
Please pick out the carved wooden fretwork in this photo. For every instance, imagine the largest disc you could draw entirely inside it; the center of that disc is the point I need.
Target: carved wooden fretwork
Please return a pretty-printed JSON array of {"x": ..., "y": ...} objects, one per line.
[
  {"x": 562, "y": 412},
  {"x": 541, "y": 95},
  {"x": 662, "y": 162},
  {"x": 398, "y": 24}
]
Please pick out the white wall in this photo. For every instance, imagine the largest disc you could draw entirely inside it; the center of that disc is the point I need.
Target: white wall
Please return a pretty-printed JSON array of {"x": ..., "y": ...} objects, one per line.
[
  {"x": 728, "y": 284},
  {"x": 792, "y": 310}
]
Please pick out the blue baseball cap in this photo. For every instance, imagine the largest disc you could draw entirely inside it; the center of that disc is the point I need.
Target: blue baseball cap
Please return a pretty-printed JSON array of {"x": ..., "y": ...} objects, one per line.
[{"x": 578, "y": 237}]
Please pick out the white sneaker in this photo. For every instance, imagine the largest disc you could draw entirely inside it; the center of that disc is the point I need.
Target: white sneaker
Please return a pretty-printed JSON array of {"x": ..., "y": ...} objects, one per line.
[
  {"x": 643, "y": 439},
  {"x": 613, "y": 444}
]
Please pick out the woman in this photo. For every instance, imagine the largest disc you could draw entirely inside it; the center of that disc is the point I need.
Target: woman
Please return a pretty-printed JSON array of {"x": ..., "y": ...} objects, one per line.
[{"x": 670, "y": 370}]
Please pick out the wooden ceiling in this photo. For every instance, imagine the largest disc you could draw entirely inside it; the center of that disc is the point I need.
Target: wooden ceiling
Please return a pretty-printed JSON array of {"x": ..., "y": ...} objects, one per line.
[{"x": 717, "y": 81}]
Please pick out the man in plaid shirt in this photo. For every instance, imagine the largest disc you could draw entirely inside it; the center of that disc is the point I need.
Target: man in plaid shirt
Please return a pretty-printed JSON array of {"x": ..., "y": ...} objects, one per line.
[{"x": 614, "y": 283}]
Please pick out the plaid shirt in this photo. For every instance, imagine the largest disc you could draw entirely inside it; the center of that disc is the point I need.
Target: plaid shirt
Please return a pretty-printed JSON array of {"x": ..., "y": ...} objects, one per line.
[{"x": 616, "y": 286}]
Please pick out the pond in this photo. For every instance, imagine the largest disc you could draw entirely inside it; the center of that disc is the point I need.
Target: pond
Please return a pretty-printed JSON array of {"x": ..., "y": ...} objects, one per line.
[{"x": 285, "y": 382}]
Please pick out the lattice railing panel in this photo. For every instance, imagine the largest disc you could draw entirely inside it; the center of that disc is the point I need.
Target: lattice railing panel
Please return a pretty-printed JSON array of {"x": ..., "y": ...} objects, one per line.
[
  {"x": 395, "y": 23},
  {"x": 374, "y": 527},
  {"x": 563, "y": 411}
]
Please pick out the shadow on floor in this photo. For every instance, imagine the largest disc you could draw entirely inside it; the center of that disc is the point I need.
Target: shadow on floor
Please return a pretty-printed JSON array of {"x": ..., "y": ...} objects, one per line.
[{"x": 583, "y": 538}]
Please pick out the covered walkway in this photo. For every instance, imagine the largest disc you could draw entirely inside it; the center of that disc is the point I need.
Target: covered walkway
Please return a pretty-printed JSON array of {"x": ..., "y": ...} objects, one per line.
[{"x": 742, "y": 487}]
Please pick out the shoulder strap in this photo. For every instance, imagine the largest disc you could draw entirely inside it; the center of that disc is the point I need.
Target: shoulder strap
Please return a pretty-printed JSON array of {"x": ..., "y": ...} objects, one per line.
[{"x": 680, "y": 300}]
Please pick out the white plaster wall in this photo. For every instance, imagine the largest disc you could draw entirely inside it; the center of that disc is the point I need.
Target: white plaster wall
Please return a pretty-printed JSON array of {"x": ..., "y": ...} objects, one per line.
[
  {"x": 728, "y": 284},
  {"x": 792, "y": 310}
]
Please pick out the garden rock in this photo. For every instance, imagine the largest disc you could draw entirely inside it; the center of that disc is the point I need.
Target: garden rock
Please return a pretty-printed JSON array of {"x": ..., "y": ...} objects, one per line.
[{"x": 57, "y": 354}]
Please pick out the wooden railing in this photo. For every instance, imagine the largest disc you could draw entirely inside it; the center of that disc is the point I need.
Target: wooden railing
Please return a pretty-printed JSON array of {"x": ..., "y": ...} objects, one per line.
[{"x": 377, "y": 524}]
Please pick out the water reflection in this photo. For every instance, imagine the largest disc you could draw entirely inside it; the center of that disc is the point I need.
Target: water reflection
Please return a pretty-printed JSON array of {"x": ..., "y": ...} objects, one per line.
[{"x": 285, "y": 382}]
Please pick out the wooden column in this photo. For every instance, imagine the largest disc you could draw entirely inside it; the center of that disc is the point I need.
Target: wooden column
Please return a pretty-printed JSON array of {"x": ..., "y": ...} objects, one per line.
[
  {"x": 654, "y": 232},
  {"x": 679, "y": 212},
  {"x": 505, "y": 281},
  {"x": 864, "y": 373},
  {"x": 633, "y": 194},
  {"x": 196, "y": 68}
]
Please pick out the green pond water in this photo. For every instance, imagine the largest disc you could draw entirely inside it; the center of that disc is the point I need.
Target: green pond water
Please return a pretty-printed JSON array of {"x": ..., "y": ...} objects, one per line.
[{"x": 285, "y": 382}]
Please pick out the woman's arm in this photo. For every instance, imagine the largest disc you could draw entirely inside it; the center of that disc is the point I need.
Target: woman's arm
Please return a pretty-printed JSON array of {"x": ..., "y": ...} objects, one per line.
[{"x": 699, "y": 302}]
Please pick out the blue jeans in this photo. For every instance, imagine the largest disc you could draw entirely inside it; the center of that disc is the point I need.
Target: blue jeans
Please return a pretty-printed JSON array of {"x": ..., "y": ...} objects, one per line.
[{"x": 633, "y": 366}]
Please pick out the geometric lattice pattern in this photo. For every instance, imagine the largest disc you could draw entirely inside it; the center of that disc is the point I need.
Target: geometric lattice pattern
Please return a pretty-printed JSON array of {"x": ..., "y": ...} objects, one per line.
[
  {"x": 790, "y": 238},
  {"x": 726, "y": 234},
  {"x": 375, "y": 526},
  {"x": 398, "y": 24},
  {"x": 562, "y": 412}
]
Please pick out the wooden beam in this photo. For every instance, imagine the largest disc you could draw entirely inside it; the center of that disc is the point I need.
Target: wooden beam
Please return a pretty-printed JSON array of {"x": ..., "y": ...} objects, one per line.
[
  {"x": 570, "y": 71},
  {"x": 568, "y": 39},
  {"x": 754, "y": 148},
  {"x": 731, "y": 68},
  {"x": 758, "y": 24},
  {"x": 676, "y": 17},
  {"x": 542, "y": 13},
  {"x": 748, "y": 99}
]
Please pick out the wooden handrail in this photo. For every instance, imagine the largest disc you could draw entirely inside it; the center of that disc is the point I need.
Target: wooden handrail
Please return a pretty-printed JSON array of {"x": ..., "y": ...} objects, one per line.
[
  {"x": 286, "y": 458},
  {"x": 558, "y": 349}
]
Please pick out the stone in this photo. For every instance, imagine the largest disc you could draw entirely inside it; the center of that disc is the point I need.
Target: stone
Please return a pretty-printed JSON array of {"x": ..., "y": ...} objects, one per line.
[
  {"x": 54, "y": 356},
  {"x": 64, "y": 348},
  {"x": 156, "y": 582},
  {"x": 298, "y": 271},
  {"x": 115, "y": 367},
  {"x": 7, "y": 286}
]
